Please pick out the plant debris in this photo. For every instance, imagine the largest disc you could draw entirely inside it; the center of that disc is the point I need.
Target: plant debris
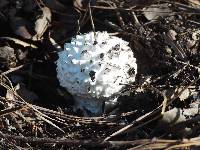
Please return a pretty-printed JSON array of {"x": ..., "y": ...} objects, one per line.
[{"x": 160, "y": 110}]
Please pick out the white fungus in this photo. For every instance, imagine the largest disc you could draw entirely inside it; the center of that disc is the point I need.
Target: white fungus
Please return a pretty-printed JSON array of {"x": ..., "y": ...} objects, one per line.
[{"x": 94, "y": 68}]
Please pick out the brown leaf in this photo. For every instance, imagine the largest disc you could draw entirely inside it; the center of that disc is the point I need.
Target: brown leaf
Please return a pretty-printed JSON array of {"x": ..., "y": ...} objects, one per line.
[
  {"x": 170, "y": 123},
  {"x": 42, "y": 23},
  {"x": 153, "y": 12},
  {"x": 194, "y": 3},
  {"x": 173, "y": 116}
]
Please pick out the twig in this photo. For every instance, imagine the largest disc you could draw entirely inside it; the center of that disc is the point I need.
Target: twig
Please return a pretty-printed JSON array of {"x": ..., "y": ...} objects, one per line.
[
  {"x": 177, "y": 49},
  {"x": 154, "y": 143},
  {"x": 156, "y": 112},
  {"x": 5, "y": 137},
  {"x": 186, "y": 7},
  {"x": 52, "y": 141},
  {"x": 37, "y": 112},
  {"x": 124, "y": 129},
  {"x": 119, "y": 17},
  {"x": 113, "y": 26},
  {"x": 11, "y": 110},
  {"x": 12, "y": 70},
  {"x": 20, "y": 42},
  {"x": 137, "y": 23},
  {"x": 91, "y": 18}
]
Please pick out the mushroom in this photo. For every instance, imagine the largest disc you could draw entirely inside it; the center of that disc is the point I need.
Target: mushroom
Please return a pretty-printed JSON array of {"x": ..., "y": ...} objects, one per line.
[{"x": 94, "y": 68}]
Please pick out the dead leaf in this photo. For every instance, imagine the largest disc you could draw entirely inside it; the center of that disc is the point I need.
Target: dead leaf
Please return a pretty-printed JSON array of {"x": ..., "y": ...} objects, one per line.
[
  {"x": 170, "y": 123},
  {"x": 42, "y": 23},
  {"x": 153, "y": 12},
  {"x": 194, "y": 3},
  {"x": 172, "y": 117},
  {"x": 10, "y": 96}
]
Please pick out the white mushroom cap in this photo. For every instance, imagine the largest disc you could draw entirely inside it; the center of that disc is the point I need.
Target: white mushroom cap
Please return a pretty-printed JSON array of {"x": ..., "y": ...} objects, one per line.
[{"x": 96, "y": 66}]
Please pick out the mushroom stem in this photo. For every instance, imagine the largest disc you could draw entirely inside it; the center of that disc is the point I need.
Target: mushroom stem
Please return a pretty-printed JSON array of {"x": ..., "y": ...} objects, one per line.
[
  {"x": 110, "y": 104},
  {"x": 89, "y": 107}
]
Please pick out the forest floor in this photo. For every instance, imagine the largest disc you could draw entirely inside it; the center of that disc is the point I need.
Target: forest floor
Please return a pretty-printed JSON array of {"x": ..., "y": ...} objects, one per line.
[{"x": 162, "y": 110}]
